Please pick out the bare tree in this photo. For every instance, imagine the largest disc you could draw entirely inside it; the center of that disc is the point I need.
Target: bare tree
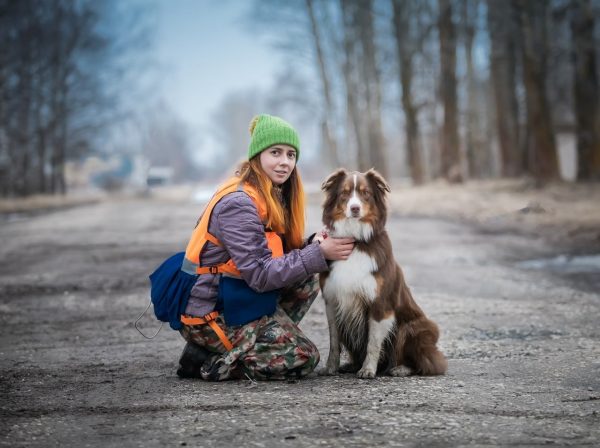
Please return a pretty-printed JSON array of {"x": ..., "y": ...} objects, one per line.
[
  {"x": 372, "y": 86},
  {"x": 476, "y": 149},
  {"x": 526, "y": 65},
  {"x": 502, "y": 72},
  {"x": 405, "y": 47},
  {"x": 450, "y": 150},
  {"x": 350, "y": 69},
  {"x": 327, "y": 126},
  {"x": 586, "y": 91},
  {"x": 57, "y": 76},
  {"x": 543, "y": 157}
]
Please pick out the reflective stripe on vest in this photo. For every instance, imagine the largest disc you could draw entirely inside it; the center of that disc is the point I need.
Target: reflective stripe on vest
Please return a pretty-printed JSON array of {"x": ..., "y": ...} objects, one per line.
[{"x": 192, "y": 263}]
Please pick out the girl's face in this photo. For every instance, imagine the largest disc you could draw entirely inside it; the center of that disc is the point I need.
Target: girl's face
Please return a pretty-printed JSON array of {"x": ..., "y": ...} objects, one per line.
[{"x": 278, "y": 162}]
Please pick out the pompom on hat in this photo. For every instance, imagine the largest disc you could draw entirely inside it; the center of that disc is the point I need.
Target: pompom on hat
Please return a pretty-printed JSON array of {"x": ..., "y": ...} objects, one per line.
[{"x": 267, "y": 130}]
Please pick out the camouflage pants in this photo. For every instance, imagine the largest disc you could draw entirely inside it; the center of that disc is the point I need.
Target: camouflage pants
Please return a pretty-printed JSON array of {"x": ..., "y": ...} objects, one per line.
[{"x": 270, "y": 348}]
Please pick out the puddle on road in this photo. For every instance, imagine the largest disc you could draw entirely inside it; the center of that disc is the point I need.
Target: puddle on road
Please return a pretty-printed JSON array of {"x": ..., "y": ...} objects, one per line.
[{"x": 567, "y": 264}]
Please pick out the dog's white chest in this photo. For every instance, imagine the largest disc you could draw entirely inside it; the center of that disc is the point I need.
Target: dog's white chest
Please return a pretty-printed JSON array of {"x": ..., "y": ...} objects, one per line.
[{"x": 352, "y": 279}]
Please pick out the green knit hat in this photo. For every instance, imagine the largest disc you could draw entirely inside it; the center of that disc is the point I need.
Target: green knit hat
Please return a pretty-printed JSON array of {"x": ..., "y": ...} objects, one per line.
[{"x": 267, "y": 130}]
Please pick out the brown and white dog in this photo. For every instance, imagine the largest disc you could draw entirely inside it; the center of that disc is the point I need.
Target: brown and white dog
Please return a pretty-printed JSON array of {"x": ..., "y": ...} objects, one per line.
[{"x": 370, "y": 310}]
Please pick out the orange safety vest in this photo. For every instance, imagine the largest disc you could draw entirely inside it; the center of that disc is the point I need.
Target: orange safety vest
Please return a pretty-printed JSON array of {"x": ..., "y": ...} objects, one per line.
[{"x": 192, "y": 263}]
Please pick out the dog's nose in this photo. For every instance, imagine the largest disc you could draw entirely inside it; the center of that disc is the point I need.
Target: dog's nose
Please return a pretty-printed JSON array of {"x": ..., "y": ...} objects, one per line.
[{"x": 355, "y": 209}]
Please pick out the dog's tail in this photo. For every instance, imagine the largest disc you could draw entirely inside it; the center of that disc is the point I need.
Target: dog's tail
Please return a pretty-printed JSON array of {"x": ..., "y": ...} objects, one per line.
[
  {"x": 419, "y": 349},
  {"x": 433, "y": 362}
]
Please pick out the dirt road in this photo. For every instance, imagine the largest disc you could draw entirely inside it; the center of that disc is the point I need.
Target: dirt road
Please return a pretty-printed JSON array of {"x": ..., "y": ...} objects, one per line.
[{"x": 523, "y": 346}]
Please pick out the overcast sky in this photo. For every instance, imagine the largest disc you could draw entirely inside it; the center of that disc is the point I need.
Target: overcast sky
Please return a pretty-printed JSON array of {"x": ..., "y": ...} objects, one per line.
[{"x": 206, "y": 51}]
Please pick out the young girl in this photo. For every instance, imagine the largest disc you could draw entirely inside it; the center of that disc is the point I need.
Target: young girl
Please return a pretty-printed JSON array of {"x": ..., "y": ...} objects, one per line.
[{"x": 257, "y": 276}]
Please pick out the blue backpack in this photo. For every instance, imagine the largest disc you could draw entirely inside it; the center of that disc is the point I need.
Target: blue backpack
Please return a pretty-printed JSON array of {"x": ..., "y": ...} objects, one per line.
[
  {"x": 171, "y": 287},
  {"x": 170, "y": 290}
]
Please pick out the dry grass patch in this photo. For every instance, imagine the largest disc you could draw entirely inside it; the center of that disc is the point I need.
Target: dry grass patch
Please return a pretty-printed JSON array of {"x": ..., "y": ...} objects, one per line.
[{"x": 558, "y": 211}]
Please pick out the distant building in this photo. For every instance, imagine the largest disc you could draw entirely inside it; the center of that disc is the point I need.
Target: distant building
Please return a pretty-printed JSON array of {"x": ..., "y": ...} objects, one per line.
[
  {"x": 111, "y": 172},
  {"x": 159, "y": 175}
]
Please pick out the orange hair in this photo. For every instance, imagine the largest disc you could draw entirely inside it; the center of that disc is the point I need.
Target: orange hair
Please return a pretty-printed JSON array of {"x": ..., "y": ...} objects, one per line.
[{"x": 288, "y": 218}]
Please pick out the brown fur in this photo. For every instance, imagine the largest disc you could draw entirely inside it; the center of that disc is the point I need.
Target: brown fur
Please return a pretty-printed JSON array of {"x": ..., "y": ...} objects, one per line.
[{"x": 413, "y": 340}]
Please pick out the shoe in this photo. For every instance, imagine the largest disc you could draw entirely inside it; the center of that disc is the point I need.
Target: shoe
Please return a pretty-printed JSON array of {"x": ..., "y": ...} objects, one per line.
[{"x": 192, "y": 358}]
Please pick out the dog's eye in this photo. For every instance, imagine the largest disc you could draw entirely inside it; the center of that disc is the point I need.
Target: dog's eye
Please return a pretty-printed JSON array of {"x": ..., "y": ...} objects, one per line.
[{"x": 366, "y": 194}]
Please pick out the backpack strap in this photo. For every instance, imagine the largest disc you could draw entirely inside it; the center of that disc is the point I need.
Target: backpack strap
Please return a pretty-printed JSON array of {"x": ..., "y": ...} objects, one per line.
[{"x": 209, "y": 319}]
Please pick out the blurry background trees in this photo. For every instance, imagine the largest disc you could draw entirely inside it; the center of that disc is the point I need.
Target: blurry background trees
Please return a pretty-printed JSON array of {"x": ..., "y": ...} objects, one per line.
[
  {"x": 586, "y": 92},
  {"x": 449, "y": 88},
  {"x": 69, "y": 77},
  {"x": 420, "y": 89}
]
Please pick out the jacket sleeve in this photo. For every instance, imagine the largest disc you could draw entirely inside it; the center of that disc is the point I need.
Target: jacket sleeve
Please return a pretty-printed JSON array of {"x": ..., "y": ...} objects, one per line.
[{"x": 242, "y": 234}]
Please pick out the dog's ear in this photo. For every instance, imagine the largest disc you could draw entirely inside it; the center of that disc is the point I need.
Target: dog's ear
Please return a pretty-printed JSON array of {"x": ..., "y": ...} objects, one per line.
[
  {"x": 377, "y": 180},
  {"x": 333, "y": 179}
]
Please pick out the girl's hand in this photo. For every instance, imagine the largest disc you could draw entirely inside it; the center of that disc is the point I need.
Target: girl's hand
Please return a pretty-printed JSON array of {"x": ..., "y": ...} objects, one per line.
[
  {"x": 320, "y": 237},
  {"x": 337, "y": 248}
]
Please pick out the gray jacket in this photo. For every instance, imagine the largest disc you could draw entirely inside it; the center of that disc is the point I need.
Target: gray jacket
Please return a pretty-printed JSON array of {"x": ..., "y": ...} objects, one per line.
[{"x": 235, "y": 223}]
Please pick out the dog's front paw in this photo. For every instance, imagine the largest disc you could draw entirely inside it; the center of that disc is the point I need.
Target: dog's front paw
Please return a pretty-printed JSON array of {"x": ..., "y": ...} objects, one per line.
[
  {"x": 366, "y": 373},
  {"x": 327, "y": 371}
]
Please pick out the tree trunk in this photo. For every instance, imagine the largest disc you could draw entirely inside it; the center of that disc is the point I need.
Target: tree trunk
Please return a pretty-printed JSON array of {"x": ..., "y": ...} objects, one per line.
[
  {"x": 349, "y": 71},
  {"x": 329, "y": 140},
  {"x": 372, "y": 85},
  {"x": 61, "y": 157},
  {"x": 41, "y": 155},
  {"x": 40, "y": 144},
  {"x": 473, "y": 144},
  {"x": 502, "y": 66},
  {"x": 544, "y": 160},
  {"x": 586, "y": 91},
  {"x": 450, "y": 157},
  {"x": 23, "y": 141},
  {"x": 405, "y": 55}
]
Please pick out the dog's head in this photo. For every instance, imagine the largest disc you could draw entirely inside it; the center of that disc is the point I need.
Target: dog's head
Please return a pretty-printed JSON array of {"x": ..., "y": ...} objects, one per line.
[{"x": 355, "y": 201}]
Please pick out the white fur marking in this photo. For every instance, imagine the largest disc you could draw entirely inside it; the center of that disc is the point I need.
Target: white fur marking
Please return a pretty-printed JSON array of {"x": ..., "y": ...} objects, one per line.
[
  {"x": 351, "y": 280},
  {"x": 354, "y": 200},
  {"x": 351, "y": 286},
  {"x": 361, "y": 231},
  {"x": 378, "y": 333}
]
